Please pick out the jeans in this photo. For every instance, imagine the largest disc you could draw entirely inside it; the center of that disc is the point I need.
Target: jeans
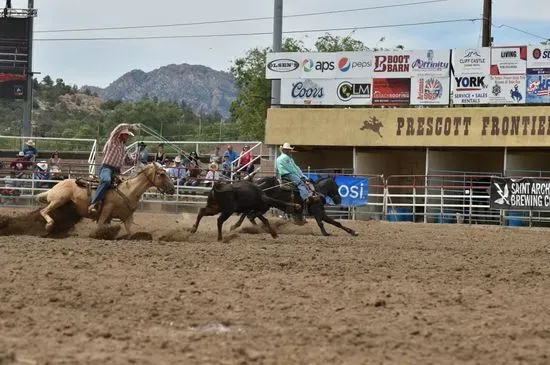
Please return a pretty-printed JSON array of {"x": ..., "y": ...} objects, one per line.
[
  {"x": 302, "y": 188},
  {"x": 105, "y": 180}
]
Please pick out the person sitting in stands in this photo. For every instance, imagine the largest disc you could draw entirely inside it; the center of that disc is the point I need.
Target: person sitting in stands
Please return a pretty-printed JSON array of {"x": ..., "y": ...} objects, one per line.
[
  {"x": 226, "y": 167},
  {"x": 30, "y": 151},
  {"x": 41, "y": 173},
  {"x": 212, "y": 174},
  {"x": 20, "y": 165},
  {"x": 246, "y": 158},
  {"x": 55, "y": 165},
  {"x": 143, "y": 154},
  {"x": 177, "y": 172},
  {"x": 160, "y": 156}
]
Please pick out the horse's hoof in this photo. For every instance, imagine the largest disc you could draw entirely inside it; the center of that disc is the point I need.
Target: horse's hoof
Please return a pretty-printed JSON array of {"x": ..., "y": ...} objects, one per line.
[
  {"x": 220, "y": 239},
  {"x": 354, "y": 234},
  {"x": 326, "y": 234},
  {"x": 49, "y": 226},
  {"x": 193, "y": 230},
  {"x": 275, "y": 236}
]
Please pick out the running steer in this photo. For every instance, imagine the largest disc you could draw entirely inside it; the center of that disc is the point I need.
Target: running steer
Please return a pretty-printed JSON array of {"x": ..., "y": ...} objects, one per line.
[{"x": 242, "y": 197}]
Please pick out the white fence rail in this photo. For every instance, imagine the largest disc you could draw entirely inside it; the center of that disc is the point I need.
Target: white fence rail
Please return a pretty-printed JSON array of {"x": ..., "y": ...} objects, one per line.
[{"x": 462, "y": 199}]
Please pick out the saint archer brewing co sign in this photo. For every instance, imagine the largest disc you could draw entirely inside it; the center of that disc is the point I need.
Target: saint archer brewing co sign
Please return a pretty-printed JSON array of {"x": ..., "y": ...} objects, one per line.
[{"x": 520, "y": 194}]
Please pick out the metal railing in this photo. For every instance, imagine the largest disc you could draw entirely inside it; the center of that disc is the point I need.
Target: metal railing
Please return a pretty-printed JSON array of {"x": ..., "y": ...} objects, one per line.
[{"x": 462, "y": 199}]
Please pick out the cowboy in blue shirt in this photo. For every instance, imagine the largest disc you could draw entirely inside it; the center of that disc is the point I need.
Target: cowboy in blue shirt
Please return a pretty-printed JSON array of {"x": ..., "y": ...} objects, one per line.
[{"x": 287, "y": 169}]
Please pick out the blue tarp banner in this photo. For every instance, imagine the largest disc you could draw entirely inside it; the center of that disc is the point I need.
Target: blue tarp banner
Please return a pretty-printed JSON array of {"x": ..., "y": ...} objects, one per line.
[{"x": 353, "y": 190}]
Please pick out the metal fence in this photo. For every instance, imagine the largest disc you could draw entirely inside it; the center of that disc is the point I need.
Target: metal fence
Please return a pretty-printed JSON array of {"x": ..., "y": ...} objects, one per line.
[{"x": 459, "y": 198}]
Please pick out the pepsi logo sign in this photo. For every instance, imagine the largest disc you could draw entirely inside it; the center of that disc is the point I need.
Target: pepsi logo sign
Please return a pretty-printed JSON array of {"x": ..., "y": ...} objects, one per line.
[{"x": 345, "y": 64}]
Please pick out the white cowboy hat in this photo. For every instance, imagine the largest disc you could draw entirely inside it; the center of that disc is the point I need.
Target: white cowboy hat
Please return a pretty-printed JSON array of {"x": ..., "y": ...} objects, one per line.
[
  {"x": 287, "y": 146},
  {"x": 30, "y": 142},
  {"x": 177, "y": 159},
  {"x": 214, "y": 166},
  {"x": 43, "y": 165}
]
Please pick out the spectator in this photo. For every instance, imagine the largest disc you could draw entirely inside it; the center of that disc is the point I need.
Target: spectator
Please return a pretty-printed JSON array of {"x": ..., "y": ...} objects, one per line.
[
  {"x": 20, "y": 165},
  {"x": 246, "y": 158},
  {"x": 41, "y": 173},
  {"x": 30, "y": 151},
  {"x": 160, "y": 156},
  {"x": 233, "y": 156},
  {"x": 177, "y": 172},
  {"x": 212, "y": 174},
  {"x": 193, "y": 172},
  {"x": 217, "y": 156},
  {"x": 194, "y": 158},
  {"x": 226, "y": 167},
  {"x": 55, "y": 165},
  {"x": 143, "y": 154}
]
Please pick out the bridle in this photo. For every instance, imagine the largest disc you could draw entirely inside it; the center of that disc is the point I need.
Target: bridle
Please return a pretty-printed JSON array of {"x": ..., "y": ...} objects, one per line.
[{"x": 152, "y": 180}]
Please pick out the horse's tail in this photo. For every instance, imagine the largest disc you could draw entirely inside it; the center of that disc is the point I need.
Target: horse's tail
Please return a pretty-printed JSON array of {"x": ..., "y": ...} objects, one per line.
[{"x": 42, "y": 197}]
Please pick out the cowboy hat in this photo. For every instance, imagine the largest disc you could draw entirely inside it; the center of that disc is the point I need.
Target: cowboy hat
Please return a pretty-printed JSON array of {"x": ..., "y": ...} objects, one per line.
[
  {"x": 30, "y": 142},
  {"x": 20, "y": 154},
  {"x": 214, "y": 166},
  {"x": 287, "y": 146},
  {"x": 177, "y": 159},
  {"x": 43, "y": 165},
  {"x": 127, "y": 131}
]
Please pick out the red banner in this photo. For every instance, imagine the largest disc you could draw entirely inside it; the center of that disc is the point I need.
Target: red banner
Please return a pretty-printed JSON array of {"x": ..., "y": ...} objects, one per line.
[{"x": 391, "y": 92}]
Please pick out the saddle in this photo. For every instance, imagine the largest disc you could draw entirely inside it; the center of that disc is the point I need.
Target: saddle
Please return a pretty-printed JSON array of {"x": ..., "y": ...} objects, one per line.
[
  {"x": 286, "y": 184},
  {"x": 92, "y": 182}
]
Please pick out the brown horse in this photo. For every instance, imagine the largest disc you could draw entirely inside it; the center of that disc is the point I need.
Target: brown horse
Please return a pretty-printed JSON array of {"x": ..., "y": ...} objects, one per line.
[{"x": 120, "y": 202}]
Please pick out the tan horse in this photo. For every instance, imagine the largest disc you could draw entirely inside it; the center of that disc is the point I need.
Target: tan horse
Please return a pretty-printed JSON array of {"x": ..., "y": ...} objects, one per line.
[{"x": 119, "y": 203}]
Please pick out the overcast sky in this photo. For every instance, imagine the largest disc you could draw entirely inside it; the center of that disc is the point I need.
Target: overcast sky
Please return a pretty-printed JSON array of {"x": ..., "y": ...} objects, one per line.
[{"x": 101, "y": 62}]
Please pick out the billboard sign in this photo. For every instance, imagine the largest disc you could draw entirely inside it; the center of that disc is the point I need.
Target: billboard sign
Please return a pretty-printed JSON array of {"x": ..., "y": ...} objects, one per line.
[
  {"x": 508, "y": 60},
  {"x": 470, "y": 89},
  {"x": 507, "y": 89},
  {"x": 471, "y": 61},
  {"x": 391, "y": 92},
  {"x": 538, "y": 59},
  {"x": 430, "y": 62},
  {"x": 353, "y": 65},
  {"x": 429, "y": 90},
  {"x": 538, "y": 89}
]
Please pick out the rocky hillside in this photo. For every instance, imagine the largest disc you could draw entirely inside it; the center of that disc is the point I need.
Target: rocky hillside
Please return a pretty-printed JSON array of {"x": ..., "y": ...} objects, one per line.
[{"x": 204, "y": 89}]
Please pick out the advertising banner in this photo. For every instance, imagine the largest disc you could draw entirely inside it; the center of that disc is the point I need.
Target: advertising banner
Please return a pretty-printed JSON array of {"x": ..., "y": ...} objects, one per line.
[
  {"x": 538, "y": 59},
  {"x": 392, "y": 64},
  {"x": 307, "y": 92},
  {"x": 528, "y": 126},
  {"x": 520, "y": 194},
  {"x": 391, "y": 92},
  {"x": 472, "y": 61},
  {"x": 318, "y": 65},
  {"x": 538, "y": 89},
  {"x": 352, "y": 92},
  {"x": 429, "y": 90},
  {"x": 470, "y": 89},
  {"x": 508, "y": 60},
  {"x": 507, "y": 89},
  {"x": 353, "y": 190},
  {"x": 326, "y": 92},
  {"x": 431, "y": 62},
  {"x": 283, "y": 65},
  {"x": 352, "y": 65}
]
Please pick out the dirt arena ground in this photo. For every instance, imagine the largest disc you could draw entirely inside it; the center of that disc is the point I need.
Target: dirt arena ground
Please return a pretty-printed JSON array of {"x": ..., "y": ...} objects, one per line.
[{"x": 398, "y": 294}]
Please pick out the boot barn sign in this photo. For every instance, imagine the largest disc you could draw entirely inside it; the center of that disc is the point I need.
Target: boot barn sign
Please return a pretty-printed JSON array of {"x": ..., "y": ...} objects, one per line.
[
  {"x": 403, "y": 127},
  {"x": 520, "y": 194}
]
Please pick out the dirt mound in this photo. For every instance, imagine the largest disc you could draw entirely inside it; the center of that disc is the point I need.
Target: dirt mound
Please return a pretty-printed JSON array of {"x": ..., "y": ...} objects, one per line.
[
  {"x": 176, "y": 235},
  {"x": 32, "y": 223},
  {"x": 106, "y": 233}
]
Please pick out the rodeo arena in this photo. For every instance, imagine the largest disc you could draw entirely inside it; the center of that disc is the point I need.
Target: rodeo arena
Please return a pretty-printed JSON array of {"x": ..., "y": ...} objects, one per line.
[{"x": 423, "y": 238}]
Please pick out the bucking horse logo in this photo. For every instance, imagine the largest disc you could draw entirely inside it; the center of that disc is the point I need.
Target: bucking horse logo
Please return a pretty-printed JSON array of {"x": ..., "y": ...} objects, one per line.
[
  {"x": 372, "y": 124},
  {"x": 515, "y": 94}
]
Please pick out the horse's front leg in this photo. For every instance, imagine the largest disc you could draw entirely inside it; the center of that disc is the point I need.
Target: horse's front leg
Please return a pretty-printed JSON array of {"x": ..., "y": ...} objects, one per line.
[
  {"x": 335, "y": 223},
  {"x": 45, "y": 213},
  {"x": 128, "y": 224}
]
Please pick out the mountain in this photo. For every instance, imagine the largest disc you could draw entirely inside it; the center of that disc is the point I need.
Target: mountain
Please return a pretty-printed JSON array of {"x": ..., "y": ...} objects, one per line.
[{"x": 204, "y": 89}]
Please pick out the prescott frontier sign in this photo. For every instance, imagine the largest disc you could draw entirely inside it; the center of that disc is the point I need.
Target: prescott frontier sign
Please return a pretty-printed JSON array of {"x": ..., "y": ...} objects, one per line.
[{"x": 441, "y": 127}]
